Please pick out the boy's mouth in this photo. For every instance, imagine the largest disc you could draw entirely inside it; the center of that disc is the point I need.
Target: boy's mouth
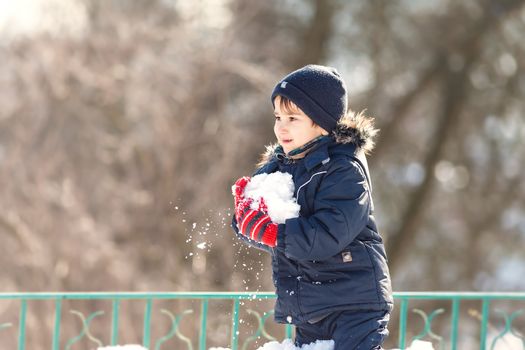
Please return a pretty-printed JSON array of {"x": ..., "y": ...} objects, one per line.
[{"x": 285, "y": 141}]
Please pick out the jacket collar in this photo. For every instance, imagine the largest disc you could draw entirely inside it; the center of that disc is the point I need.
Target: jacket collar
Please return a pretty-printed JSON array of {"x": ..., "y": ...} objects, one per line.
[{"x": 317, "y": 153}]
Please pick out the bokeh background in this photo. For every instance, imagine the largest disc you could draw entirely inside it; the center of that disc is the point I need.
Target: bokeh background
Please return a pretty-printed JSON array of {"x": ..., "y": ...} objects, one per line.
[{"x": 124, "y": 123}]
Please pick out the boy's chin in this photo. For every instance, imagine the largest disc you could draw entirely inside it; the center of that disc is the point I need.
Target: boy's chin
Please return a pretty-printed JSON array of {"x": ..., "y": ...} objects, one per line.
[{"x": 287, "y": 149}]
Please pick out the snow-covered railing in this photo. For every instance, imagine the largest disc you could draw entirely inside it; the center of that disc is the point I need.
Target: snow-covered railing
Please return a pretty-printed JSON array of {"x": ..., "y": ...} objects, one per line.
[{"x": 447, "y": 302}]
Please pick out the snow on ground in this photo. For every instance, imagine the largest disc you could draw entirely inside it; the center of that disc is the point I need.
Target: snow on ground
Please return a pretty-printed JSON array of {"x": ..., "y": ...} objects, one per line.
[
  {"x": 285, "y": 345},
  {"x": 277, "y": 189},
  {"x": 508, "y": 342},
  {"x": 421, "y": 345},
  {"x": 123, "y": 347},
  {"x": 325, "y": 345},
  {"x": 289, "y": 345}
]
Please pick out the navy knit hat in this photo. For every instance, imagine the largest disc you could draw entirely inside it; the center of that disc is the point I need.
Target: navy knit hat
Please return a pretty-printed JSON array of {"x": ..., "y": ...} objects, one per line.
[{"x": 319, "y": 91}]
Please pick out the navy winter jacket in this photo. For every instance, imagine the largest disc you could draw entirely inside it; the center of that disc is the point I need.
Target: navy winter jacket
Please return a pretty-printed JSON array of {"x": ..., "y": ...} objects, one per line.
[{"x": 331, "y": 257}]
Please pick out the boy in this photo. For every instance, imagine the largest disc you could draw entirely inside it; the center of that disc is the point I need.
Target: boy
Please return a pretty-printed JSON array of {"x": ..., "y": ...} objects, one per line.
[{"x": 329, "y": 264}]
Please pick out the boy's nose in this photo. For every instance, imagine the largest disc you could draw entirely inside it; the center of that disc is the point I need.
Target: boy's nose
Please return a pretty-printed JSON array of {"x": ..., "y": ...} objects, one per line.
[
  {"x": 282, "y": 132},
  {"x": 282, "y": 127}
]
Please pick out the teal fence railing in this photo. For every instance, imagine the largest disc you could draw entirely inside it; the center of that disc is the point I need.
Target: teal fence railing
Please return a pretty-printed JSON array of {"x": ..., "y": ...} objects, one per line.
[{"x": 490, "y": 311}]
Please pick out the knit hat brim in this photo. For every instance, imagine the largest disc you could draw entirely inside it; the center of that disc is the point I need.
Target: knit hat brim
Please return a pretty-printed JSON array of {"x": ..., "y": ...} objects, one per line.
[{"x": 309, "y": 106}]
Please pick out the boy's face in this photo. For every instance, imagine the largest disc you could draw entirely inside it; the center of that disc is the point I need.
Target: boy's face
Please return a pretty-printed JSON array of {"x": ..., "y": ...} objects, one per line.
[{"x": 293, "y": 128}]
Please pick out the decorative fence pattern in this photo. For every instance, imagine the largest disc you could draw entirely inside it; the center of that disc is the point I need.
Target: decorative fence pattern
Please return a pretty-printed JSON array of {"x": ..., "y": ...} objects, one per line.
[{"x": 403, "y": 300}]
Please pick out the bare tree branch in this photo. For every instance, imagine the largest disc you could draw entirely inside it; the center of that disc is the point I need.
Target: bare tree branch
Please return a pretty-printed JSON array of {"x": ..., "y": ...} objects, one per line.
[{"x": 454, "y": 94}]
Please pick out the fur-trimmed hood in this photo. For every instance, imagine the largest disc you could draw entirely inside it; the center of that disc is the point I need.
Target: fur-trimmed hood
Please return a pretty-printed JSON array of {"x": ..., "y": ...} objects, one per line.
[{"x": 354, "y": 128}]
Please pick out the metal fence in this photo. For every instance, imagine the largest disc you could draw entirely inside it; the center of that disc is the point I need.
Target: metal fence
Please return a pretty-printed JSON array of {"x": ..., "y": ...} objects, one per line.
[{"x": 451, "y": 303}]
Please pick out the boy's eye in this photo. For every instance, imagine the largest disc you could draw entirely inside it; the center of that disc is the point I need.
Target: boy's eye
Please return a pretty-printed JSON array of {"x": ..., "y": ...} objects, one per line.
[{"x": 287, "y": 118}]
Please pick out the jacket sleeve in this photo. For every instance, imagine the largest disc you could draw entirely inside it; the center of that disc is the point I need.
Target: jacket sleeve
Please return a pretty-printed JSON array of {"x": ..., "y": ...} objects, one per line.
[
  {"x": 247, "y": 240},
  {"x": 341, "y": 211}
]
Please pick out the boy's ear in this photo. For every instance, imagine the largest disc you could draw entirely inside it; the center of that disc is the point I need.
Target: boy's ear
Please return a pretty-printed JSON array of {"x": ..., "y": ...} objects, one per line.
[{"x": 323, "y": 131}]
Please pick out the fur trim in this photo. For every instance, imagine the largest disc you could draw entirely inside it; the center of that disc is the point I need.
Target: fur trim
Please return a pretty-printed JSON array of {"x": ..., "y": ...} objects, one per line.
[
  {"x": 268, "y": 154},
  {"x": 358, "y": 129}
]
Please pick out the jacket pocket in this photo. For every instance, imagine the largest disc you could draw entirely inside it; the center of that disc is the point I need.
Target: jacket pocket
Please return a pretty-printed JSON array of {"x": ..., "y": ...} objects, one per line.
[
  {"x": 334, "y": 283},
  {"x": 351, "y": 261}
]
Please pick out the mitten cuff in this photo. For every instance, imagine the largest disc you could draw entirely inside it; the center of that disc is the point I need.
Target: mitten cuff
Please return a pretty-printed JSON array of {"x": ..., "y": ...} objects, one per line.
[{"x": 270, "y": 235}]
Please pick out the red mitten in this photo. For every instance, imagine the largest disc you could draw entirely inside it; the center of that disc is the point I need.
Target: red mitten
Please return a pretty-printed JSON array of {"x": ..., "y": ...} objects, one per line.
[
  {"x": 238, "y": 189},
  {"x": 238, "y": 196},
  {"x": 256, "y": 224}
]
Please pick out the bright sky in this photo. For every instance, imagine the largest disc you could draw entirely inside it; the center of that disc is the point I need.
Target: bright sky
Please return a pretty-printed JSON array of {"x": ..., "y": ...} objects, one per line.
[
  {"x": 20, "y": 13},
  {"x": 68, "y": 17},
  {"x": 31, "y": 16}
]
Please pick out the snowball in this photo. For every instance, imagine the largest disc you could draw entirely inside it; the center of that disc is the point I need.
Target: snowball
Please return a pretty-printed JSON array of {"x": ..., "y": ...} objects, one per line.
[{"x": 277, "y": 189}]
